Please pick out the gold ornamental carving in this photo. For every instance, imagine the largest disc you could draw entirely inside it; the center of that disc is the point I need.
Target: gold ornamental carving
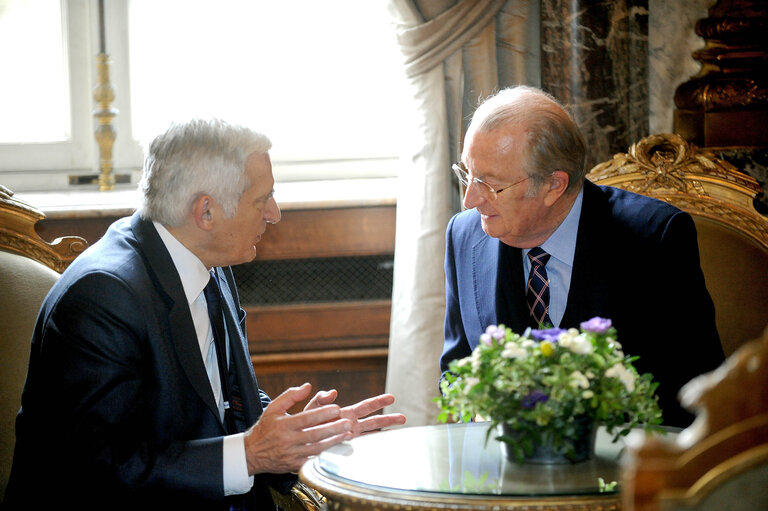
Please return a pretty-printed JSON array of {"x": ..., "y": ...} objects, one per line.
[
  {"x": 667, "y": 167},
  {"x": 17, "y": 234}
]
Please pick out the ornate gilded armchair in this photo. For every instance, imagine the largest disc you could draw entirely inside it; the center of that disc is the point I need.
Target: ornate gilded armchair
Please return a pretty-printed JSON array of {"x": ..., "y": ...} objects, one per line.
[
  {"x": 733, "y": 235},
  {"x": 28, "y": 268},
  {"x": 721, "y": 460}
]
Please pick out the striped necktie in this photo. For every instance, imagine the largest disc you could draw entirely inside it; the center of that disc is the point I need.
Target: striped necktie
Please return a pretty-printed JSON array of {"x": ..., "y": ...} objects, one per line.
[{"x": 537, "y": 290}]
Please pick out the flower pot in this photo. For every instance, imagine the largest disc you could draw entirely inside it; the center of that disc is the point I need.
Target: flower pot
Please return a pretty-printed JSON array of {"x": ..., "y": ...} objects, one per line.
[{"x": 543, "y": 449}]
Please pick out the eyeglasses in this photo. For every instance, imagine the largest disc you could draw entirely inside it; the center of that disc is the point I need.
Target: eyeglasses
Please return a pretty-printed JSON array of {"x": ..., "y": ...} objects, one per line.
[{"x": 463, "y": 175}]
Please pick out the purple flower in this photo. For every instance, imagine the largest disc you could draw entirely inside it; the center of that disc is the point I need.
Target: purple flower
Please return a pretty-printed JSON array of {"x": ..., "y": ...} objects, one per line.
[
  {"x": 536, "y": 396},
  {"x": 596, "y": 325},
  {"x": 550, "y": 334}
]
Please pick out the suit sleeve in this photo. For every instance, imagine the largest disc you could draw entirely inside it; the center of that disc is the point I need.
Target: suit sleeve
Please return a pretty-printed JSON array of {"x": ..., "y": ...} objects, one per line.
[
  {"x": 455, "y": 345},
  {"x": 687, "y": 312}
]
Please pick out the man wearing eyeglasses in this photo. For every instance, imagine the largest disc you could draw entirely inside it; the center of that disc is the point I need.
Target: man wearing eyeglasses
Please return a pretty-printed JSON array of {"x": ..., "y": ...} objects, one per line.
[{"x": 539, "y": 245}]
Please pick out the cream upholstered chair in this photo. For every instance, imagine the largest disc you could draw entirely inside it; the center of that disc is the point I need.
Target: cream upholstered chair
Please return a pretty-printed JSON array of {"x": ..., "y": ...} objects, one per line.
[
  {"x": 733, "y": 235},
  {"x": 719, "y": 462},
  {"x": 28, "y": 268}
]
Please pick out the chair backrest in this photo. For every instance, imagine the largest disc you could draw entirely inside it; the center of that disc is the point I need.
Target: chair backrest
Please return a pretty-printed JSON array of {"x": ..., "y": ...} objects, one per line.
[
  {"x": 29, "y": 266},
  {"x": 733, "y": 235},
  {"x": 721, "y": 460}
]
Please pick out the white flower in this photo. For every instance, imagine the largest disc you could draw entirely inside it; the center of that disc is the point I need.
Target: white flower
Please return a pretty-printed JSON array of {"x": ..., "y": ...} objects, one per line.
[
  {"x": 587, "y": 394},
  {"x": 469, "y": 383},
  {"x": 565, "y": 339},
  {"x": 464, "y": 361},
  {"x": 527, "y": 343},
  {"x": 486, "y": 339},
  {"x": 579, "y": 380},
  {"x": 514, "y": 350},
  {"x": 581, "y": 345},
  {"x": 621, "y": 372}
]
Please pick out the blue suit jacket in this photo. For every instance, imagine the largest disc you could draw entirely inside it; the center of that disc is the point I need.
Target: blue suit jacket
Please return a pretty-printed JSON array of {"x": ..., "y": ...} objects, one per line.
[
  {"x": 117, "y": 409},
  {"x": 636, "y": 262}
]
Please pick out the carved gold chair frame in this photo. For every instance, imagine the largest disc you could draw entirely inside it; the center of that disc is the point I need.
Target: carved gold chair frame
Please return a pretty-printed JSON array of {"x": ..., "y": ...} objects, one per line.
[
  {"x": 17, "y": 234},
  {"x": 667, "y": 167}
]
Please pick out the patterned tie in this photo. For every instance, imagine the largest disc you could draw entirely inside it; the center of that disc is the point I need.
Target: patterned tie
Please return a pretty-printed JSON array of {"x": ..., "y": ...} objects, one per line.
[
  {"x": 213, "y": 299},
  {"x": 537, "y": 291}
]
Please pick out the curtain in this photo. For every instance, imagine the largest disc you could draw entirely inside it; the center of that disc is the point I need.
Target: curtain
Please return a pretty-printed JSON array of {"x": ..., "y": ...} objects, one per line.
[{"x": 455, "y": 54}]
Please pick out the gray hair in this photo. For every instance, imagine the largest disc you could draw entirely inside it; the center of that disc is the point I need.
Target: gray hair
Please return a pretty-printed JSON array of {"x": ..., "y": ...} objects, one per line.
[
  {"x": 199, "y": 157},
  {"x": 555, "y": 141}
]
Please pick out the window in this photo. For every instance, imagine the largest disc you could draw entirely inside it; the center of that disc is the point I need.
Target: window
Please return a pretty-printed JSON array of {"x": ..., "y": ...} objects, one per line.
[{"x": 322, "y": 79}]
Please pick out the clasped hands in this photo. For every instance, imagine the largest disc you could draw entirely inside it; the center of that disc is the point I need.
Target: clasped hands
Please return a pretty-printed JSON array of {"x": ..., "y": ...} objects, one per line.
[{"x": 280, "y": 442}]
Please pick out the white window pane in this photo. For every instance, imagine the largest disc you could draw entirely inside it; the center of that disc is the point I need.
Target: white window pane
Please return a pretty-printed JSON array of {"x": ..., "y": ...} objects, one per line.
[
  {"x": 34, "y": 93},
  {"x": 323, "y": 79}
]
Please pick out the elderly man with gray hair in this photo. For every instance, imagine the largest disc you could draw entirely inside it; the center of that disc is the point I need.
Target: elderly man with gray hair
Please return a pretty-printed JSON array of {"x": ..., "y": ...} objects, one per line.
[
  {"x": 540, "y": 245},
  {"x": 140, "y": 392}
]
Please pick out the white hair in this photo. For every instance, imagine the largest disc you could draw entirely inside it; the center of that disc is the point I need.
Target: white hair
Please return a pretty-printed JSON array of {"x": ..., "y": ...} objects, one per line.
[{"x": 199, "y": 157}]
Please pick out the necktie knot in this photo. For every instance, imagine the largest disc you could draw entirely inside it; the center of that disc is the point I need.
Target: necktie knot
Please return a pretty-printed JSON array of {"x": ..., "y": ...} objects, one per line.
[{"x": 538, "y": 256}]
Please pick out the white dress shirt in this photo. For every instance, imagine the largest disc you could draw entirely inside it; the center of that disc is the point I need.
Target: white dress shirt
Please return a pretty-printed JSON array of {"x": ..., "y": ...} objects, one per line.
[
  {"x": 194, "y": 277},
  {"x": 561, "y": 246}
]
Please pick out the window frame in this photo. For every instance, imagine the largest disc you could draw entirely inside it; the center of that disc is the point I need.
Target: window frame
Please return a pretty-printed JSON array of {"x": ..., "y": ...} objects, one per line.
[{"x": 55, "y": 164}]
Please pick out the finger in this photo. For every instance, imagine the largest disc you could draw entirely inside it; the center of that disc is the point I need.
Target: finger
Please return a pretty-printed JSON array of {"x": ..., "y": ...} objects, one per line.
[
  {"x": 314, "y": 417},
  {"x": 289, "y": 397},
  {"x": 324, "y": 397},
  {"x": 368, "y": 406},
  {"x": 378, "y": 422},
  {"x": 307, "y": 450},
  {"x": 329, "y": 429}
]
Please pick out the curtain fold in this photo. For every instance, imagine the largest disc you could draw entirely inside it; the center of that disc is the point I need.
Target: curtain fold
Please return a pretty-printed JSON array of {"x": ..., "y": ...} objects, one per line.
[{"x": 454, "y": 54}]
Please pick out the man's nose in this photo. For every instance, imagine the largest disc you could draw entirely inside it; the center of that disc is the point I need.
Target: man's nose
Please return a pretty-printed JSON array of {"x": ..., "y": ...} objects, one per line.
[
  {"x": 272, "y": 213},
  {"x": 472, "y": 197}
]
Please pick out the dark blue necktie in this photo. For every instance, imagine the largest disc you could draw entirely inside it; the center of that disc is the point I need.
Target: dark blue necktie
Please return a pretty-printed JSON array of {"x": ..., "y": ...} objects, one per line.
[
  {"x": 213, "y": 299},
  {"x": 537, "y": 290}
]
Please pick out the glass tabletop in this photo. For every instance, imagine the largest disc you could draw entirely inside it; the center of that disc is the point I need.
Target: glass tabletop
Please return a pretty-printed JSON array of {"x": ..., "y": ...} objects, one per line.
[{"x": 456, "y": 459}]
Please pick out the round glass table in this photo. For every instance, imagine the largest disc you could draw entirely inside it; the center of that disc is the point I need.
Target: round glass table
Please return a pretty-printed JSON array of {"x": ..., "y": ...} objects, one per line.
[{"x": 452, "y": 466}]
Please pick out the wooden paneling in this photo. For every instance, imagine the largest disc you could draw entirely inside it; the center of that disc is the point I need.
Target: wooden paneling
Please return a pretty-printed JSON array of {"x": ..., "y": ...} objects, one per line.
[
  {"x": 356, "y": 374},
  {"x": 297, "y": 327},
  {"x": 90, "y": 228},
  {"x": 334, "y": 345},
  {"x": 339, "y": 232}
]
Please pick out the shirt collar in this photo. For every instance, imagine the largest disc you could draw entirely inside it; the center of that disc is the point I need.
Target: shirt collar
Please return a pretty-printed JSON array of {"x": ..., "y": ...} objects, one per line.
[
  {"x": 192, "y": 272},
  {"x": 562, "y": 243}
]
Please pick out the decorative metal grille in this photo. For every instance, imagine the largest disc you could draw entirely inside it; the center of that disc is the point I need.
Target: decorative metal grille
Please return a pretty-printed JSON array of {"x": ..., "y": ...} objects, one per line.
[{"x": 315, "y": 280}]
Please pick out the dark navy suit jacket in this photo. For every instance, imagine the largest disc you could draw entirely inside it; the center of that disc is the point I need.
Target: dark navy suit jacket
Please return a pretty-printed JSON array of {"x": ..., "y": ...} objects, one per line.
[
  {"x": 636, "y": 262},
  {"x": 117, "y": 410}
]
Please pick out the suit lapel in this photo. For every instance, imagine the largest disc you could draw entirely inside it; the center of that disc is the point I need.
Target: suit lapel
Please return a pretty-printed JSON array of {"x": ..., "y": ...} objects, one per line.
[
  {"x": 590, "y": 278},
  {"x": 181, "y": 334},
  {"x": 498, "y": 284},
  {"x": 239, "y": 351},
  {"x": 485, "y": 265}
]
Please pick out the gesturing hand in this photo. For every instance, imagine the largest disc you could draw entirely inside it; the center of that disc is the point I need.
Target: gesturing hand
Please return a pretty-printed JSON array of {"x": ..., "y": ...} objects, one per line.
[
  {"x": 280, "y": 443},
  {"x": 357, "y": 412}
]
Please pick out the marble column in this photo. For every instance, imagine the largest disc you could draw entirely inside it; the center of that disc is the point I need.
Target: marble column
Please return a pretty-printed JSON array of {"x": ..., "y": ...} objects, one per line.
[{"x": 594, "y": 59}]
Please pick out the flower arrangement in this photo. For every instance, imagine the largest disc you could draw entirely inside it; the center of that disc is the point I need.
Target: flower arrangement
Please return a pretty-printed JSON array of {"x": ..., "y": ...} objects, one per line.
[{"x": 540, "y": 386}]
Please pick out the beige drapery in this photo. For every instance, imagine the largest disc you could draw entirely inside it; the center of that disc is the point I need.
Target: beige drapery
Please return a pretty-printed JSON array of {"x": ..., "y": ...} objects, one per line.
[{"x": 455, "y": 54}]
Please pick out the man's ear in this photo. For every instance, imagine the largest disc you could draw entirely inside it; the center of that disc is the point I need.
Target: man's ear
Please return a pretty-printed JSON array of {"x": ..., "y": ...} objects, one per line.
[
  {"x": 555, "y": 186},
  {"x": 201, "y": 210}
]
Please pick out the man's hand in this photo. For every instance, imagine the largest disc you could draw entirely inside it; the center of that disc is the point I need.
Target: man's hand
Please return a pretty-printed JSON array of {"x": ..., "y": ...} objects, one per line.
[
  {"x": 280, "y": 443},
  {"x": 357, "y": 413}
]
